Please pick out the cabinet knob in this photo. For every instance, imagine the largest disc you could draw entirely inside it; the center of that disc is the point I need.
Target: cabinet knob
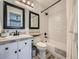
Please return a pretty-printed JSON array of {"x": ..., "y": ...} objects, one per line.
[
  {"x": 15, "y": 52},
  {"x": 25, "y": 43},
  {"x": 19, "y": 50},
  {"x": 6, "y": 48}
]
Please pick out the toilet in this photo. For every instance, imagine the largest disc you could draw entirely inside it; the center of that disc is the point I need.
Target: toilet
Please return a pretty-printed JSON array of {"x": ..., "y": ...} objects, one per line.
[{"x": 42, "y": 49}]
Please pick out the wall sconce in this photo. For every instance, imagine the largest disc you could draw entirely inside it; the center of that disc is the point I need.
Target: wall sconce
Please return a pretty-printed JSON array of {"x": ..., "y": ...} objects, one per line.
[{"x": 27, "y": 2}]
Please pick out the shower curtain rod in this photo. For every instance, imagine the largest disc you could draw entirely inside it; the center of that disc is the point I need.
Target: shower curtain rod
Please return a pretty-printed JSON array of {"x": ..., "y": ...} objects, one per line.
[{"x": 51, "y": 6}]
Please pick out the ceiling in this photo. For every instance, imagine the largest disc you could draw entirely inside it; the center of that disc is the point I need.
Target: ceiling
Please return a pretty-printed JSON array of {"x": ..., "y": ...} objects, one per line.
[{"x": 46, "y": 3}]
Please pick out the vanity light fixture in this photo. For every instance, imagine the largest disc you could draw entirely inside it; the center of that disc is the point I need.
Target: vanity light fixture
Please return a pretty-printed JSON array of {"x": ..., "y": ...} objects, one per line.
[
  {"x": 32, "y": 4},
  {"x": 27, "y": 2},
  {"x": 24, "y": 1}
]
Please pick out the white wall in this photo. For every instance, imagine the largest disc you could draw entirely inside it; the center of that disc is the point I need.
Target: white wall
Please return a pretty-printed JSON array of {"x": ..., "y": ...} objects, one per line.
[{"x": 57, "y": 25}]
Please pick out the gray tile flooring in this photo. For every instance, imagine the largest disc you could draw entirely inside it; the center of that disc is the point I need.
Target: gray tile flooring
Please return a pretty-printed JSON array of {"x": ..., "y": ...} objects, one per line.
[{"x": 51, "y": 57}]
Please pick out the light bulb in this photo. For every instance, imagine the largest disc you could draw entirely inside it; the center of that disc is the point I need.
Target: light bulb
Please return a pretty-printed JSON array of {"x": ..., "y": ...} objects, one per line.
[
  {"x": 24, "y": 1},
  {"x": 32, "y": 4},
  {"x": 28, "y": 2}
]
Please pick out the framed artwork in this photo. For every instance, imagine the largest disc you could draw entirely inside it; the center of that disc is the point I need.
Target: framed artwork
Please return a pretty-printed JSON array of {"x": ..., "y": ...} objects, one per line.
[
  {"x": 14, "y": 16},
  {"x": 34, "y": 21}
]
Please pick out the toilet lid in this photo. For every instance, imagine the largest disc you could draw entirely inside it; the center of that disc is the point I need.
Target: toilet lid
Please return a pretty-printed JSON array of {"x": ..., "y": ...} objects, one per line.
[{"x": 41, "y": 44}]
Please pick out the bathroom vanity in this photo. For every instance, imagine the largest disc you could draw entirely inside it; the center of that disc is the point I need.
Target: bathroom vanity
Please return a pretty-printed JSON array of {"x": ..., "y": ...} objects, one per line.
[{"x": 16, "y": 47}]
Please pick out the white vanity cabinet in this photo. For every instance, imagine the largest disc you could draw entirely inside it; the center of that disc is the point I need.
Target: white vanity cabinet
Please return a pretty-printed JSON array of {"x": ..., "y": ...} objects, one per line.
[
  {"x": 17, "y": 50},
  {"x": 25, "y": 49},
  {"x": 8, "y": 51}
]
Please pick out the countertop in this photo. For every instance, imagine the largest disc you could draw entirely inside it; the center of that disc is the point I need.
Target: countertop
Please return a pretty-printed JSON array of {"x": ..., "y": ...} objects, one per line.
[
  {"x": 10, "y": 39},
  {"x": 35, "y": 34}
]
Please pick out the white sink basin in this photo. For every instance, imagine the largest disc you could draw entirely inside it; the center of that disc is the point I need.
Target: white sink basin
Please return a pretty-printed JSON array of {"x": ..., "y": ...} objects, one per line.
[{"x": 19, "y": 37}]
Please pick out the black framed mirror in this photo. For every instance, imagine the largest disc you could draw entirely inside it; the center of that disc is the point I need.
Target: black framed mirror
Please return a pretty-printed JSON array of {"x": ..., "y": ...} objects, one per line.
[
  {"x": 14, "y": 16},
  {"x": 34, "y": 21}
]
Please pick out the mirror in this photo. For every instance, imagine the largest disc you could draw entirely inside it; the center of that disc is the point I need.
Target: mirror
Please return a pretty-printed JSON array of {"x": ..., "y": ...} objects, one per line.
[
  {"x": 13, "y": 16},
  {"x": 33, "y": 20}
]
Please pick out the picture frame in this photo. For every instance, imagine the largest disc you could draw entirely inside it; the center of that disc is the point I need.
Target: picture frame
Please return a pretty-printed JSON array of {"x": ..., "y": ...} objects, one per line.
[
  {"x": 34, "y": 20},
  {"x": 13, "y": 16}
]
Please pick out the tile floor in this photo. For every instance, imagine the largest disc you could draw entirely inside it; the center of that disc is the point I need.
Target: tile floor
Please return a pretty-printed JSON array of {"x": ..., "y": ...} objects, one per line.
[{"x": 51, "y": 57}]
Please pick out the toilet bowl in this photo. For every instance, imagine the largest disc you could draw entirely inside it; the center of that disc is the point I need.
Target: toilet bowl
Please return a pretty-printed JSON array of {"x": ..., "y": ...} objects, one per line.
[{"x": 42, "y": 50}]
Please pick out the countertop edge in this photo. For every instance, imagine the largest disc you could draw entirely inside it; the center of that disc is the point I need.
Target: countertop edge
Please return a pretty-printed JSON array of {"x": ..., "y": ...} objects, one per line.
[{"x": 14, "y": 40}]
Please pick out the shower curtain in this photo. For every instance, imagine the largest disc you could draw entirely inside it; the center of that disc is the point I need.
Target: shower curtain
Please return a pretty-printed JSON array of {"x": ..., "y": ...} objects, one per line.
[{"x": 72, "y": 29}]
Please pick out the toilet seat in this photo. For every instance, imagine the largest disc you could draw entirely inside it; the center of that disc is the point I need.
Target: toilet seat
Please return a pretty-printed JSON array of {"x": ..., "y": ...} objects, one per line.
[{"x": 42, "y": 45}]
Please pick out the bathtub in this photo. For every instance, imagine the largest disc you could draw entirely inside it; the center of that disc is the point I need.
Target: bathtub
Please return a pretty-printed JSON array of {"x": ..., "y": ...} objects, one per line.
[{"x": 56, "y": 52}]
